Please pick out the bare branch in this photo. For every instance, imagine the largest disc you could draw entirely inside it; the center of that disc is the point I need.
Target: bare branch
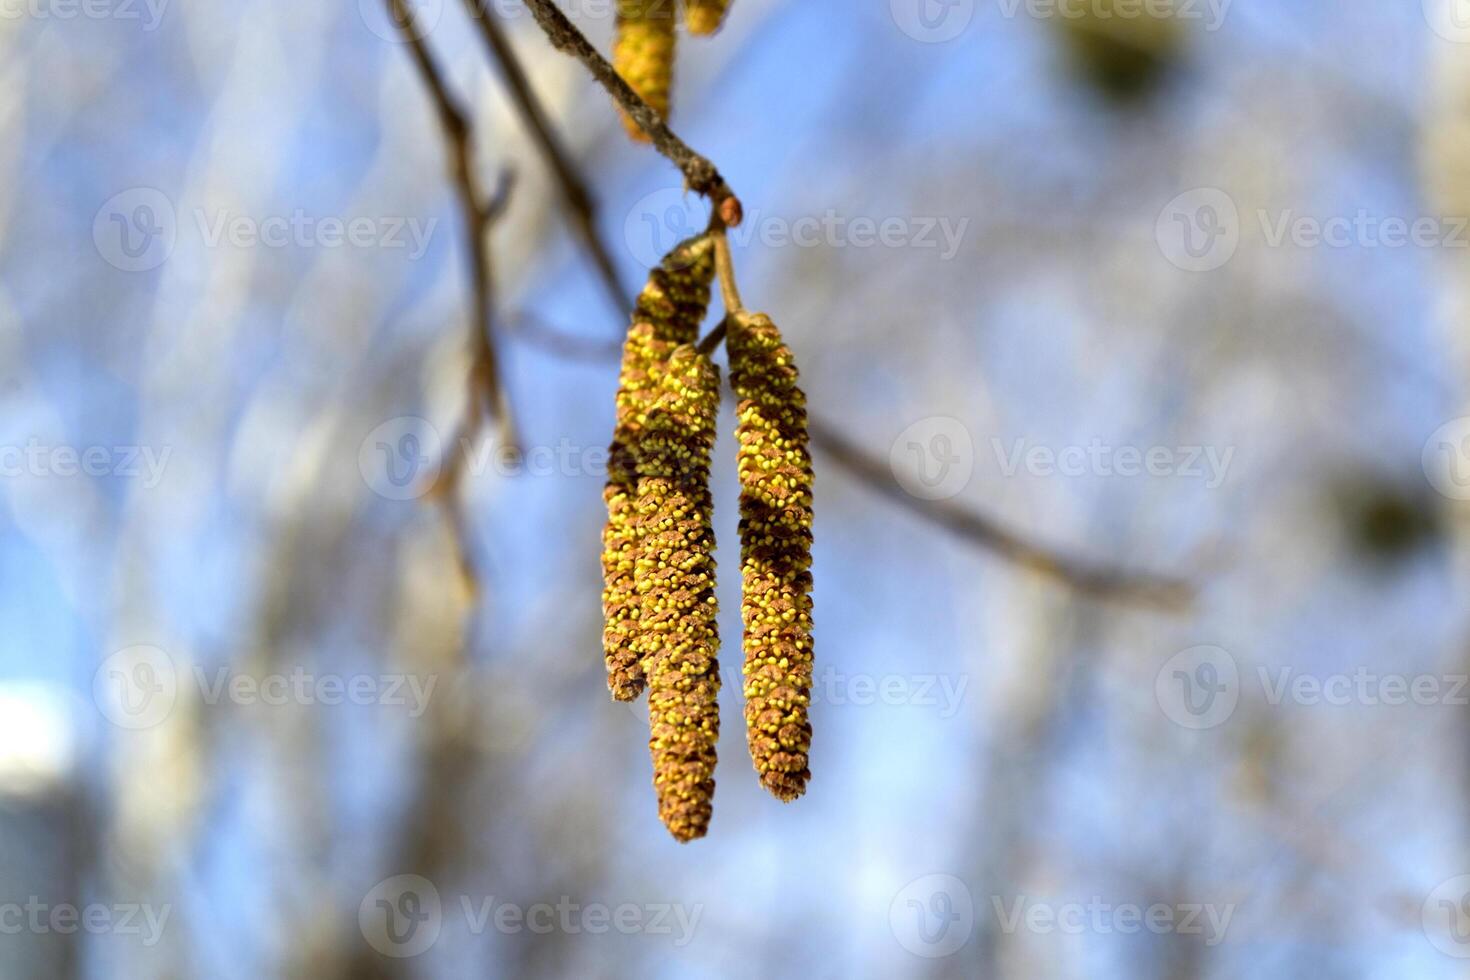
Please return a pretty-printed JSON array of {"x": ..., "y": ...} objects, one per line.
[
  {"x": 1090, "y": 578},
  {"x": 699, "y": 173}
]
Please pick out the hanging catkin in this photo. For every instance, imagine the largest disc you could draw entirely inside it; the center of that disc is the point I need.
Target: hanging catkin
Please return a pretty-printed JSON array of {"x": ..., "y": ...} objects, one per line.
[
  {"x": 775, "y": 552},
  {"x": 643, "y": 53},
  {"x": 668, "y": 313},
  {"x": 704, "y": 16},
  {"x": 675, "y": 582}
]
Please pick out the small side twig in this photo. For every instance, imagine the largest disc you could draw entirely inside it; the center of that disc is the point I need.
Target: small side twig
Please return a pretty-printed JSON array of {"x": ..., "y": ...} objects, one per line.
[
  {"x": 714, "y": 338},
  {"x": 699, "y": 173}
]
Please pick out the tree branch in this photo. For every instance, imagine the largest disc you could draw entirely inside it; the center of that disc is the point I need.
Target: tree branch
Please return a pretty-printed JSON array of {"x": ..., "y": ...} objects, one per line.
[
  {"x": 701, "y": 175},
  {"x": 1090, "y": 578}
]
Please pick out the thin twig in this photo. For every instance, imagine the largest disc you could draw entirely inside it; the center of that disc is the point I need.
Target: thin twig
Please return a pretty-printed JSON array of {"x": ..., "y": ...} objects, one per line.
[
  {"x": 1089, "y": 578},
  {"x": 531, "y": 327},
  {"x": 479, "y": 214},
  {"x": 699, "y": 173},
  {"x": 714, "y": 338},
  {"x": 579, "y": 200}
]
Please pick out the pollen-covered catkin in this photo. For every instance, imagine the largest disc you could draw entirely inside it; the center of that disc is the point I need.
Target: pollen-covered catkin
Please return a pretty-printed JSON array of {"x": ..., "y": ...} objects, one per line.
[
  {"x": 675, "y": 582},
  {"x": 704, "y": 16},
  {"x": 775, "y": 552},
  {"x": 668, "y": 313},
  {"x": 643, "y": 53}
]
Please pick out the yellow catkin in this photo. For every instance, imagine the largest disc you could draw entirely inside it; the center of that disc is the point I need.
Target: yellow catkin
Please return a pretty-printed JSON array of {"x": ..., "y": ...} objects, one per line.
[
  {"x": 675, "y": 581},
  {"x": 775, "y": 552},
  {"x": 668, "y": 313},
  {"x": 704, "y": 16},
  {"x": 643, "y": 53}
]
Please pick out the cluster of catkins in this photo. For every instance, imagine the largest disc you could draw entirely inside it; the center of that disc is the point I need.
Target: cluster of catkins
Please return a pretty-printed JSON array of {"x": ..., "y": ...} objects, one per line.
[
  {"x": 643, "y": 47},
  {"x": 658, "y": 546}
]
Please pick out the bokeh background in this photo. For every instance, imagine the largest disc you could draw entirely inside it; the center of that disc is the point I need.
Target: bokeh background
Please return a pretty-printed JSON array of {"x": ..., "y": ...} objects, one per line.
[{"x": 1168, "y": 290}]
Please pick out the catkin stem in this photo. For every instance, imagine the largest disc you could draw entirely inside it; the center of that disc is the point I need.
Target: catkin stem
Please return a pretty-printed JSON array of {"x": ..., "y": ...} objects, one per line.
[{"x": 725, "y": 269}]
